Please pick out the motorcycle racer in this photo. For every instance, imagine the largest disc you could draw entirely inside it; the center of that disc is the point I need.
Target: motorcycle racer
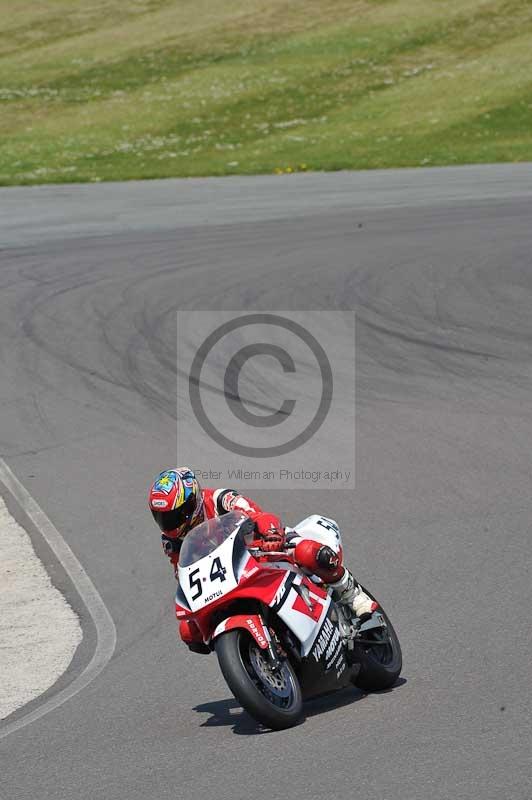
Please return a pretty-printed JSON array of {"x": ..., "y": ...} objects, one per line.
[{"x": 178, "y": 504}]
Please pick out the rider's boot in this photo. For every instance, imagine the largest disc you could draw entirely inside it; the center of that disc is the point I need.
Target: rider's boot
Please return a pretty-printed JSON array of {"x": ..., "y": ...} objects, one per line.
[{"x": 348, "y": 592}]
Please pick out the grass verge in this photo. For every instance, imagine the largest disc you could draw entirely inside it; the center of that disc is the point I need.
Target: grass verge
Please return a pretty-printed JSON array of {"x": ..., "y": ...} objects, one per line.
[{"x": 97, "y": 90}]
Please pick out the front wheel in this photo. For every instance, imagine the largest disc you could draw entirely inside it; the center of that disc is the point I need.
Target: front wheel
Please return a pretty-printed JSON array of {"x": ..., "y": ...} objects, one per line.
[{"x": 271, "y": 695}]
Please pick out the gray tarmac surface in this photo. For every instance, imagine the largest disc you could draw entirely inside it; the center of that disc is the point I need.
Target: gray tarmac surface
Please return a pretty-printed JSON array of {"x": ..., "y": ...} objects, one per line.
[{"x": 438, "y": 266}]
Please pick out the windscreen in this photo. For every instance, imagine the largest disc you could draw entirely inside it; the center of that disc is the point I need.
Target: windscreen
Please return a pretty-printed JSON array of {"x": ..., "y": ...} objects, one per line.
[{"x": 208, "y": 536}]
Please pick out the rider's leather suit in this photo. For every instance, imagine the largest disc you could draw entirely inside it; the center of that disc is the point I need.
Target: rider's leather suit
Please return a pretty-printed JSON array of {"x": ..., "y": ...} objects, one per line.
[{"x": 317, "y": 558}]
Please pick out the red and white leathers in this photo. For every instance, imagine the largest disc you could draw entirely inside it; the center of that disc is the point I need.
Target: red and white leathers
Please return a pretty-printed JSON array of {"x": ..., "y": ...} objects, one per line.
[
  {"x": 321, "y": 555},
  {"x": 215, "y": 503},
  {"x": 221, "y": 501}
]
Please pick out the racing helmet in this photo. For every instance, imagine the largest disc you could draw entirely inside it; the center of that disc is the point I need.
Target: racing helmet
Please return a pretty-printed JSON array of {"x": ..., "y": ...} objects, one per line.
[{"x": 176, "y": 502}]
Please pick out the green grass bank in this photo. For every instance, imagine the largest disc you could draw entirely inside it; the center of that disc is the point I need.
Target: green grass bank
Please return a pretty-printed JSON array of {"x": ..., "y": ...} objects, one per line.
[{"x": 93, "y": 90}]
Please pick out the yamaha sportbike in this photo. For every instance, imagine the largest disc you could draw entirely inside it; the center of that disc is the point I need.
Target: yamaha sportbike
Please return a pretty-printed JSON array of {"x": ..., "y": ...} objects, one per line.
[{"x": 279, "y": 636}]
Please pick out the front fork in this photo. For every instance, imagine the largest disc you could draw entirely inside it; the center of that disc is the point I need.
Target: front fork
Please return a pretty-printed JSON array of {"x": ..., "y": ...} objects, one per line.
[
  {"x": 275, "y": 648},
  {"x": 273, "y": 658}
]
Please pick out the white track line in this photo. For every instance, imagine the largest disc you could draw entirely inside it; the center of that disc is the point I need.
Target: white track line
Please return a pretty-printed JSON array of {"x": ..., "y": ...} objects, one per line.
[{"x": 105, "y": 627}]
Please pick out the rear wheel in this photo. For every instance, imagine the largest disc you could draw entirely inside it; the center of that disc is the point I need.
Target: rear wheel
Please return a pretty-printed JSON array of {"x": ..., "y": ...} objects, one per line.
[
  {"x": 271, "y": 695},
  {"x": 380, "y": 657}
]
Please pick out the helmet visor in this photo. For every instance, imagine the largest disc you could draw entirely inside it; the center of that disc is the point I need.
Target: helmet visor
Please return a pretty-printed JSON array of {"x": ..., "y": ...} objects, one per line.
[{"x": 178, "y": 518}]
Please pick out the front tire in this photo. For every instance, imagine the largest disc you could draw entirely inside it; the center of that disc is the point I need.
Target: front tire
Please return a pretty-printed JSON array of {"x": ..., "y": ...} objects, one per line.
[
  {"x": 272, "y": 697},
  {"x": 380, "y": 663}
]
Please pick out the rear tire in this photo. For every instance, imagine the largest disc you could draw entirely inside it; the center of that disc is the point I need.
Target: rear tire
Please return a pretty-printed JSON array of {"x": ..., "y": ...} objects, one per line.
[
  {"x": 380, "y": 664},
  {"x": 272, "y": 698}
]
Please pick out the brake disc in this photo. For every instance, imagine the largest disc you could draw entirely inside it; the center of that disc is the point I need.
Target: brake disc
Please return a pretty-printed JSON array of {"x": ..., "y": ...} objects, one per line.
[{"x": 276, "y": 679}]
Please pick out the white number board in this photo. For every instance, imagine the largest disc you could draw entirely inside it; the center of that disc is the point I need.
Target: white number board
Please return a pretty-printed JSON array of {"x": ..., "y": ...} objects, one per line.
[{"x": 209, "y": 578}]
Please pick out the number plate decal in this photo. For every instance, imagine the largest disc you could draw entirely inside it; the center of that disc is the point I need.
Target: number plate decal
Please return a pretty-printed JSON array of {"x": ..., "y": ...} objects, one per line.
[{"x": 209, "y": 578}]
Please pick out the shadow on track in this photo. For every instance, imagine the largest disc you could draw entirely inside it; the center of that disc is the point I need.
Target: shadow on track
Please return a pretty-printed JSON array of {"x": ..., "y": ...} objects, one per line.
[{"x": 230, "y": 713}]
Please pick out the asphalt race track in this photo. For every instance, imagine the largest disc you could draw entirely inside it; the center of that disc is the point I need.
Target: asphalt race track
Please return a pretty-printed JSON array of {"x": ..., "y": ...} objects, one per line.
[{"x": 438, "y": 266}]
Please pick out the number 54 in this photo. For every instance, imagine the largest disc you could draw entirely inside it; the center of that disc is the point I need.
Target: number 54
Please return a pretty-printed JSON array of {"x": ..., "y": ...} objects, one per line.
[{"x": 217, "y": 573}]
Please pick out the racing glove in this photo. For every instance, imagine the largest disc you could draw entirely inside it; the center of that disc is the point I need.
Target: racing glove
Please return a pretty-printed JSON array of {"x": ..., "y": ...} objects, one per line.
[
  {"x": 268, "y": 526},
  {"x": 273, "y": 542},
  {"x": 172, "y": 547}
]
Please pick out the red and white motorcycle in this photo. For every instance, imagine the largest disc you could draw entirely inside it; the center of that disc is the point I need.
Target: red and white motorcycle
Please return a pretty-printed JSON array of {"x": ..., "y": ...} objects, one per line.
[{"x": 279, "y": 636}]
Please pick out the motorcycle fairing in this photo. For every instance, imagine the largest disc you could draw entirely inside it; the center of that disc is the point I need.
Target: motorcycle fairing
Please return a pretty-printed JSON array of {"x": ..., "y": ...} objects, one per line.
[
  {"x": 215, "y": 575},
  {"x": 255, "y": 584},
  {"x": 326, "y": 667},
  {"x": 302, "y": 606},
  {"x": 320, "y": 529},
  {"x": 252, "y": 623}
]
